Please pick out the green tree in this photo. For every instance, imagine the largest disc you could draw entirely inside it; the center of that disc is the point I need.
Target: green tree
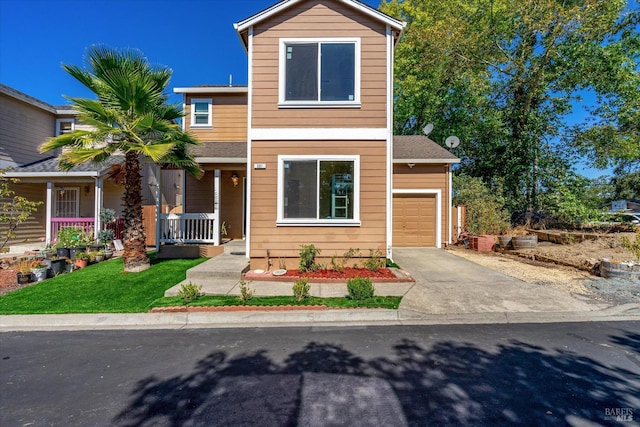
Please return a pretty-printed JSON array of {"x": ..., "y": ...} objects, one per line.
[
  {"x": 627, "y": 186},
  {"x": 504, "y": 76},
  {"x": 485, "y": 208},
  {"x": 14, "y": 209},
  {"x": 130, "y": 116}
]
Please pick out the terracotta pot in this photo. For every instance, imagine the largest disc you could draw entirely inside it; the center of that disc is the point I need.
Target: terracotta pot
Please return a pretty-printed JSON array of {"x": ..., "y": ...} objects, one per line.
[{"x": 81, "y": 263}]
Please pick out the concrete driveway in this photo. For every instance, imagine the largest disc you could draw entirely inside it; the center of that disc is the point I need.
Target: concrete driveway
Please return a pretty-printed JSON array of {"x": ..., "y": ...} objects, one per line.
[{"x": 448, "y": 284}]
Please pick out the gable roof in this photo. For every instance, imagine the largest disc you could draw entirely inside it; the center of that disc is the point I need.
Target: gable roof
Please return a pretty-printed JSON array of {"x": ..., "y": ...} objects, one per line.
[
  {"x": 247, "y": 23},
  {"x": 420, "y": 149},
  {"x": 35, "y": 102}
]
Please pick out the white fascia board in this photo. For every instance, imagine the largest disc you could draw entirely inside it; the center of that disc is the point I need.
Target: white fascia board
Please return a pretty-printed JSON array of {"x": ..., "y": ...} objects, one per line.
[
  {"x": 333, "y": 134},
  {"x": 238, "y": 160},
  {"x": 276, "y": 8},
  {"x": 211, "y": 89},
  {"x": 61, "y": 112},
  {"x": 418, "y": 161}
]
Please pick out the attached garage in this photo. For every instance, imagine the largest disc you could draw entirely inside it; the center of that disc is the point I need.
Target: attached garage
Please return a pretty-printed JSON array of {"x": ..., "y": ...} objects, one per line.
[{"x": 414, "y": 220}]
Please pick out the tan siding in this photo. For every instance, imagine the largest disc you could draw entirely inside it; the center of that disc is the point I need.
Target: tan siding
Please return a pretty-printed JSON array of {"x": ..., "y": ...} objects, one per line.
[
  {"x": 315, "y": 19},
  {"x": 229, "y": 118},
  {"x": 22, "y": 129},
  {"x": 431, "y": 177},
  {"x": 199, "y": 193},
  {"x": 285, "y": 241},
  {"x": 112, "y": 197},
  {"x": 34, "y": 229}
]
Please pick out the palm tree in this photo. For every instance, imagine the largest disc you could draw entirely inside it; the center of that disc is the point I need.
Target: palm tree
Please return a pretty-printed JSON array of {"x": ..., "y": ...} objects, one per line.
[{"x": 130, "y": 116}]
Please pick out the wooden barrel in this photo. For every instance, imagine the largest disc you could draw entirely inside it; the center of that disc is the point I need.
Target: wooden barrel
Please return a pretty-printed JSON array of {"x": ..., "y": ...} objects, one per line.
[
  {"x": 504, "y": 241},
  {"x": 524, "y": 242},
  {"x": 620, "y": 270}
]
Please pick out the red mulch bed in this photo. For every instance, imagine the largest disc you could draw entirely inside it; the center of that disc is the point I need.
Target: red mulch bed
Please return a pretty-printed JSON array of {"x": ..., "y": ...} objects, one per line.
[{"x": 330, "y": 276}]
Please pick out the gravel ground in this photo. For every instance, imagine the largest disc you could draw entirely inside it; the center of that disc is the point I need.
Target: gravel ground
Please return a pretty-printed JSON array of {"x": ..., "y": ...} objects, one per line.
[{"x": 573, "y": 281}]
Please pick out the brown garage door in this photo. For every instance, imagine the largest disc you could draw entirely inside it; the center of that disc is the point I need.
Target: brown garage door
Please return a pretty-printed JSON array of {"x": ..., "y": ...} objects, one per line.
[{"x": 414, "y": 220}]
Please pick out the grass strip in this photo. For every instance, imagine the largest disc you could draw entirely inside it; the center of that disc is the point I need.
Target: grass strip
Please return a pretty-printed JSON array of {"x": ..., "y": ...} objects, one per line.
[
  {"x": 99, "y": 288},
  {"x": 228, "y": 300}
]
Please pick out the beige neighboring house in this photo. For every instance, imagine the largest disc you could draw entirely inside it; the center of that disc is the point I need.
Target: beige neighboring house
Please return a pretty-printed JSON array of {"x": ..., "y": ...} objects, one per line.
[
  {"x": 305, "y": 154},
  {"x": 72, "y": 198}
]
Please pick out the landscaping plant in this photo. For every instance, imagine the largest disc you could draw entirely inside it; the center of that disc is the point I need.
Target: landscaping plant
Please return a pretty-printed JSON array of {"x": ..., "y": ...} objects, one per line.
[
  {"x": 634, "y": 247},
  {"x": 189, "y": 292},
  {"x": 308, "y": 255},
  {"x": 360, "y": 288},
  {"x": 301, "y": 289},
  {"x": 245, "y": 293},
  {"x": 14, "y": 210}
]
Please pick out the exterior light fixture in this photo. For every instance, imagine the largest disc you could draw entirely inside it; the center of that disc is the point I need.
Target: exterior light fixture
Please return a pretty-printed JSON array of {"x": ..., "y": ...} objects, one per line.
[
  {"x": 61, "y": 191},
  {"x": 235, "y": 179}
]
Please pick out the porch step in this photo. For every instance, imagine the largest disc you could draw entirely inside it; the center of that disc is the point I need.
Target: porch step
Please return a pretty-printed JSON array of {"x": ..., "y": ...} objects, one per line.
[{"x": 25, "y": 247}]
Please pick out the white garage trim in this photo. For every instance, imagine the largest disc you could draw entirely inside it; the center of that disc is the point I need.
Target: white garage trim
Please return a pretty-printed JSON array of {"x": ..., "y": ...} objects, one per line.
[{"x": 438, "y": 194}]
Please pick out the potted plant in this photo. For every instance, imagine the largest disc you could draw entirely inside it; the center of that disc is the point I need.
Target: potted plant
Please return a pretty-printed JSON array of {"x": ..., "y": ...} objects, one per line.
[
  {"x": 69, "y": 265},
  {"x": 81, "y": 259},
  {"x": 66, "y": 239},
  {"x": 56, "y": 266},
  {"x": 106, "y": 235},
  {"x": 99, "y": 255},
  {"x": 38, "y": 270},
  {"x": 23, "y": 271}
]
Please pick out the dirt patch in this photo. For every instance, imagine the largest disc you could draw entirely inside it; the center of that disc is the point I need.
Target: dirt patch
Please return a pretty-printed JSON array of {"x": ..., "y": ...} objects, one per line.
[{"x": 577, "y": 280}]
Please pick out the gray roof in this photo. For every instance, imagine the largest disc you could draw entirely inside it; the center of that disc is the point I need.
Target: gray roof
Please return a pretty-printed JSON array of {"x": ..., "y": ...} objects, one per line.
[
  {"x": 420, "y": 149},
  {"x": 49, "y": 167},
  {"x": 220, "y": 152}
]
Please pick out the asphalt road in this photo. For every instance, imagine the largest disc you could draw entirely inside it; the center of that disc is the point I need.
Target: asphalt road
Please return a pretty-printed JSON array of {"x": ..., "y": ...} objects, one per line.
[{"x": 525, "y": 374}]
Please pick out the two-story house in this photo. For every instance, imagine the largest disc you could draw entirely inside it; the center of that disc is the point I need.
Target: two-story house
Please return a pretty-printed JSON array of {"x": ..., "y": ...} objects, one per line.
[
  {"x": 72, "y": 198},
  {"x": 305, "y": 154}
]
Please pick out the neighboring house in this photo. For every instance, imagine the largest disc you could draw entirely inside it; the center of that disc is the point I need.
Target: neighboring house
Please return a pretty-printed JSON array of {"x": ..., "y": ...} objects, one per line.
[
  {"x": 71, "y": 198},
  {"x": 306, "y": 154},
  {"x": 628, "y": 206}
]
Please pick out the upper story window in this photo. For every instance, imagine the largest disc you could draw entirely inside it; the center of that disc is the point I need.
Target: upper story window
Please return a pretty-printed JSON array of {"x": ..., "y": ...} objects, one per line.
[
  {"x": 64, "y": 126},
  {"x": 201, "y": 112},
  {"x": 320, "y": 72}
]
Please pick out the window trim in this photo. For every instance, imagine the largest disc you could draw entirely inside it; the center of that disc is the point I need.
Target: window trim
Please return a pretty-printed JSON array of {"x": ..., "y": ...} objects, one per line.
[
  {"x": 282, "y": 103},
  {"x": 209, "y": 102},
  {"x": 354, "y": 222},
  {"x": 59, "y": 123}
]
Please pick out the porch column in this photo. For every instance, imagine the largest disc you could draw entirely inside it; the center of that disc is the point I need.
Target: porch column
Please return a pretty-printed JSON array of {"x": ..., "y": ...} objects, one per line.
[
  {"x": 216, "y": 207},
  {"x": 158, "y": 172},
  {"x": 48, "y": 209},
  {"x": 97, "y": 206}
]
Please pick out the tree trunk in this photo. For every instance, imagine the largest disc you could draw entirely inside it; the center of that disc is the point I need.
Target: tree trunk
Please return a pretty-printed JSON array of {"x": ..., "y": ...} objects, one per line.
[{"x": 135, "y": 255}]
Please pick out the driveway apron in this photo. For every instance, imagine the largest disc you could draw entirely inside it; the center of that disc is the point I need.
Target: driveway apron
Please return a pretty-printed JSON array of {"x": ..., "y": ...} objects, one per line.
[{"x": 448, "y": 284}]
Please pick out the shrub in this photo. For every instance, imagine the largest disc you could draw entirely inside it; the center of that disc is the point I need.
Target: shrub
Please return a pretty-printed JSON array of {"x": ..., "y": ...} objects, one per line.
[
  {"x": 308, "y": 255},
  {"x": 245, "y": 293},
  {"x": 189, "y": 292},
  {"x": 360, "y": 288},
  {"x": 376, "y": 260},
  {"x": 634, "y": 247},
  {"x": 301, "y": 289},
  {"x": 485, "y": 208}
]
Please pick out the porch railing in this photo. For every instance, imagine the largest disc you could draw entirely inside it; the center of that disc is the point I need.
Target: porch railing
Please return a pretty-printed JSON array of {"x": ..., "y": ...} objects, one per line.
[
  {"x": 118, "y": 228},
  {"x": 57, "y": 223},
  {"x": 189, "y": 228}
]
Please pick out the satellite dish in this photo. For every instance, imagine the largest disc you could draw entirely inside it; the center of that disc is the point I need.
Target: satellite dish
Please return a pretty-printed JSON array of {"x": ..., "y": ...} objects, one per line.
[
  {"x": 452, "y": 141},
  {"x": 427, "y": 129}
]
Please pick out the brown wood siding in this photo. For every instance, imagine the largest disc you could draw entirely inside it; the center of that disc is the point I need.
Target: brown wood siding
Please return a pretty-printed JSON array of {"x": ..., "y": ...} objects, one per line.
[
  {"x": 316, "y": 19},
  {"x": 34, "y": 229},
  {"x": 285, "y": 241},
  {"x": 426, "y": 176},
  {"x": 199, "y": 193},
  {"x": 229, "y": 118},
  {"x": 23, "y": 128},
  {"x": 231, "y": 203}
]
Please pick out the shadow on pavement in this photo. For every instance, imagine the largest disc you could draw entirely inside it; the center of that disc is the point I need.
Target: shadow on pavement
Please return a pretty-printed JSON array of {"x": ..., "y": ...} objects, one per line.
[{"x": 448, "y": 384}]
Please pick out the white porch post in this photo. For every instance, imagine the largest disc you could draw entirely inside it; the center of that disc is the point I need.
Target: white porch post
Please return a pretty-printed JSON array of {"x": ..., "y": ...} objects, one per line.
[
  {"x": 216, "y": 207},
  {"x": 158, "y": 172},
  {"x": 48, "y": 209},
  {"x": 97, "y": 206}
]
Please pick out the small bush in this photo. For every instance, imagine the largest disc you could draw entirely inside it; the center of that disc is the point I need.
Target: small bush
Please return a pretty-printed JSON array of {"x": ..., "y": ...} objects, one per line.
[
  {"x": 301, "y": 289},
  {"x": 360, "y": 288},
  {"x": 308, "y": 255},
  {"x": 634, "y": 247},
  {"x": 376, "y": 260},
  {"x": 245, "y": 293},
  {"x": 189, "y": 292}
]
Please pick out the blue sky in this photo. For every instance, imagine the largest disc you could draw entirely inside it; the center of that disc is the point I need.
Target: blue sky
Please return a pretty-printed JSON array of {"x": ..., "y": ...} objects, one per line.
[{"x": 195, "y": 38}]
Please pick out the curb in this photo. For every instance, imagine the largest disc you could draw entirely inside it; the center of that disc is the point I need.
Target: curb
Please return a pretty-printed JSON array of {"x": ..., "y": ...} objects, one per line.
[{"x": 299, "y": 318}]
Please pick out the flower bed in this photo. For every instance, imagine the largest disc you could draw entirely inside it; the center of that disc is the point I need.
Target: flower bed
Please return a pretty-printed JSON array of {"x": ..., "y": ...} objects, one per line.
[{"x": 380, "y": 275}]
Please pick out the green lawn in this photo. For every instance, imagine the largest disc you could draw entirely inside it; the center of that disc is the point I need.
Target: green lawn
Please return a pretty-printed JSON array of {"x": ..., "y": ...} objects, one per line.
[
  {"x": 217, "y": 301},
  {"x": 99, "y": 288}
]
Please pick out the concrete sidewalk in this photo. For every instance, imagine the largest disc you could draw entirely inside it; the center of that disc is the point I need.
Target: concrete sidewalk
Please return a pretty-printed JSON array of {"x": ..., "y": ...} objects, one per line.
[{"x": 447, "y": 290}]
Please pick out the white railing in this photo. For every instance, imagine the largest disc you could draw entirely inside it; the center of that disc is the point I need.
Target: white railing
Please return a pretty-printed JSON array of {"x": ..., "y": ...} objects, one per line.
[{"x": 189, "y": 228}]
